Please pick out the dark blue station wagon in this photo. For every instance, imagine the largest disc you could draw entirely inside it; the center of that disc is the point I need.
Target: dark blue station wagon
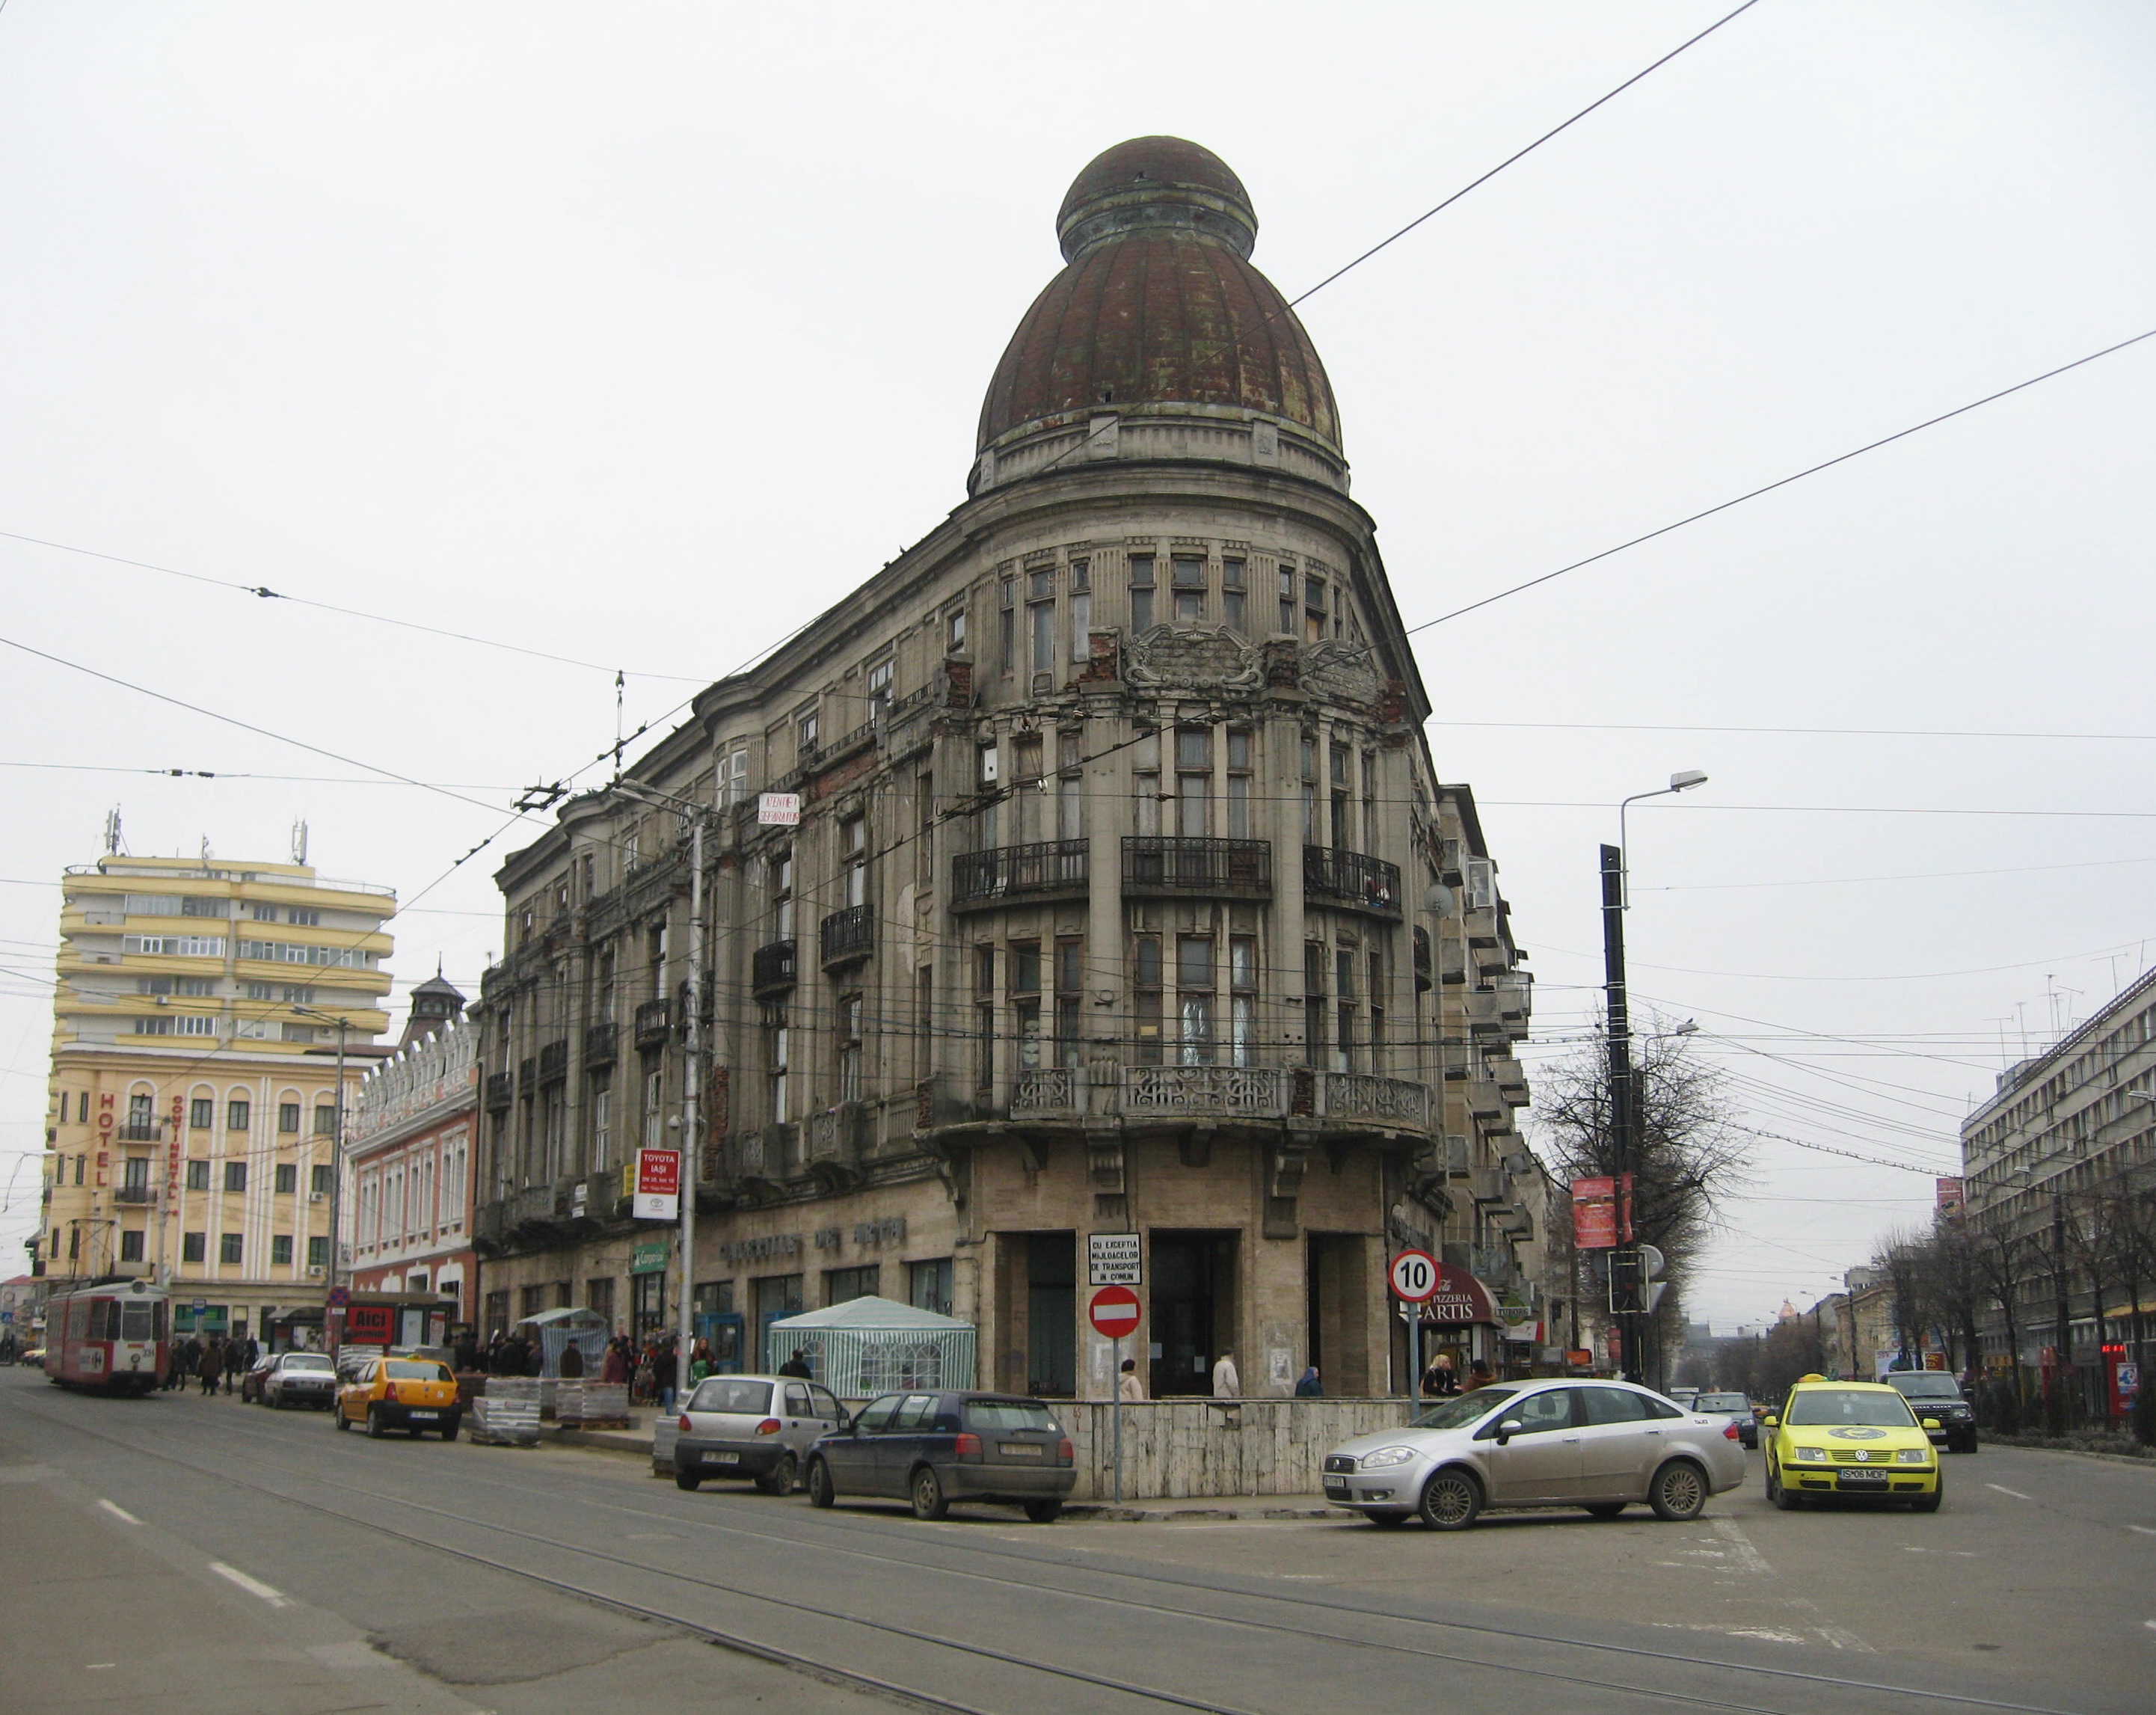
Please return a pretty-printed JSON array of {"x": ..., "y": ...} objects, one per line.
[{"x": 934, "y": 1448}]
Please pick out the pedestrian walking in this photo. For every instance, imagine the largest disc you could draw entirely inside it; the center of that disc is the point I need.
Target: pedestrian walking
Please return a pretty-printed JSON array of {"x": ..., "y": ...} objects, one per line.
[
  {"x": 571, "y": 1368},
  {"x": 797, "y": 1364},
  {"x": 1309, "y": 1387},
  {"x": 701, "y": 1361},
  {"x": 235, "y": 1361},
  {"x": 1227, "y": 1381},
  {"x": 617, "y": 1371},
  {"x": 1129, "y": 1388}
]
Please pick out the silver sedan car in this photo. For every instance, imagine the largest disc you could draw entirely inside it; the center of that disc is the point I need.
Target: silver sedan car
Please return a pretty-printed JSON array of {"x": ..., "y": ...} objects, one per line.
[{"x": 1598, "y": 1445}]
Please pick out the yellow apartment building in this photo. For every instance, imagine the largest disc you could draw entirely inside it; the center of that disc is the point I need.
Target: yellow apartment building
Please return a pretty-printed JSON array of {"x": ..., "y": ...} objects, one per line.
[{"x": 193, "y": 1124}]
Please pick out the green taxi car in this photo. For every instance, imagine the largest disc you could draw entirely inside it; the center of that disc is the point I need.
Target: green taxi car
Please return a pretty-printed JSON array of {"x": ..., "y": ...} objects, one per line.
[{"x": 1849, "y": 1439}]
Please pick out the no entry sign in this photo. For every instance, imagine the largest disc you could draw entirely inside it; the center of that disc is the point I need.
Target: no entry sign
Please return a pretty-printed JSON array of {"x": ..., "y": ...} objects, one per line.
[
  {"x": 1414, "y": 1276},
  {"x": 1114, "y": 1312}
]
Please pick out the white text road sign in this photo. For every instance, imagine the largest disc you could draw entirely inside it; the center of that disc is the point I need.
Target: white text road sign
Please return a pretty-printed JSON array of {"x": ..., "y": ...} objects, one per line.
[
  {"x": 1414, "y": 1276},
  {"x": 1114, "y": 1312},
  {"x": 1113, "y": 1260}
]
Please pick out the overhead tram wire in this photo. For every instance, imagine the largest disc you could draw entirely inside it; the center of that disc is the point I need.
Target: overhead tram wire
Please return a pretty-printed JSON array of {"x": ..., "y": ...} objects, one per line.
[{"x": 1782, "y": 482}]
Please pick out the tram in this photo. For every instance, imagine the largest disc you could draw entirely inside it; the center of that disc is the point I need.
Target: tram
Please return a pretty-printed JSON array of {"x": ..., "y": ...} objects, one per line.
[{"x": 111, "y": 1337}]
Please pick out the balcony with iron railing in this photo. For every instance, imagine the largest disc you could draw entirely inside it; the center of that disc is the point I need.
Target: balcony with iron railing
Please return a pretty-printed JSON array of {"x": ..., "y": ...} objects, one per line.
[
  {"x": 554, "y": 1062},
  {"x": 602, "y": 1043},
  {"x": 654, "y": 1022},
  {"x": 501, "y": 1090},
  {"x": 774, "y": 968},
  {"x": 846, "y": 936},
  {"x": 135, "y": 1193},
  {"x": 141, "y": 1133},
  {"x": 1350, "y": 879},
  {"x": 1047, "y": 869},
  {"x": 1155, "y": 863},
  {"x": 1225, "y": 1092}
]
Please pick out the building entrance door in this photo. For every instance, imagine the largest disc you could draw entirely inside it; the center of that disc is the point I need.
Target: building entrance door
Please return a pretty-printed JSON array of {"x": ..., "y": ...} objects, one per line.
[
  {"x": 1192, "y": 1312},
  {"x": 1051, "y": 1314}
]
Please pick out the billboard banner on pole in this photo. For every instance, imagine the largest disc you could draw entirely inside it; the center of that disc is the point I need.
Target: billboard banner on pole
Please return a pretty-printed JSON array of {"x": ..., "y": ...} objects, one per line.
[
  {"x": 1594, "y": 1213},
  {"x": 658, "y": 1195}
]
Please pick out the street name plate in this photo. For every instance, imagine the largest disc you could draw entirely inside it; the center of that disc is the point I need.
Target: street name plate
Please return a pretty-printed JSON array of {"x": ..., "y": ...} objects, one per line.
[{"x": 1113, "y": 1260}]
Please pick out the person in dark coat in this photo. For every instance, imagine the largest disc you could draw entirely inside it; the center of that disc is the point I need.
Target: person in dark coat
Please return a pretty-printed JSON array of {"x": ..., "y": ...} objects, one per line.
[
  {"x": 572, "y": 1367},
  {"x": 797, "y": 1364},
  {"x": 1309, "y": 1387},
  {"x": 211, "y": 1365},
  {"x": 235, "y": 1361},
  {"x": 186, "y": 1360}
]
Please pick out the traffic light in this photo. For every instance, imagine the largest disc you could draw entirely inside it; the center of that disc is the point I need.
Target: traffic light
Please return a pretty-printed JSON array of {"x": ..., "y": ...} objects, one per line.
[{"x": 1626, "y": 1279}]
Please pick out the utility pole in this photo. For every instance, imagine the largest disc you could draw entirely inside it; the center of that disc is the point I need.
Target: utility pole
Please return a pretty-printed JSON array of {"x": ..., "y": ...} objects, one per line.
[
  {"x": 1621, "y": 1093},
  {"x": 332, "y": 1317},
  {"x": 691, "y": 1102},
  {"x": 2064, "y": 1347}
]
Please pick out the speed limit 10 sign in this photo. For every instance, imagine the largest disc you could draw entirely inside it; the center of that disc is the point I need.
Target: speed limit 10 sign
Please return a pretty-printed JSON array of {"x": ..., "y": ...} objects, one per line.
[{"x": 1414, "y": 1276}]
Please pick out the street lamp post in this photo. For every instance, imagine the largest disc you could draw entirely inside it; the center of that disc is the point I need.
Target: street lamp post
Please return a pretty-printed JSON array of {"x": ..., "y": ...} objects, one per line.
[
  {"x": 693, "y": 1055},
  {"x": 1625, "y": 1110},
  {"x": 336, "y": 1180}
]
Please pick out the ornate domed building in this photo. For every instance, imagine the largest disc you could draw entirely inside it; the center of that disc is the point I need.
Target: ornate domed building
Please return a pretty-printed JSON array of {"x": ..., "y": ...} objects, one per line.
[{"x": 1124, "y": 902}]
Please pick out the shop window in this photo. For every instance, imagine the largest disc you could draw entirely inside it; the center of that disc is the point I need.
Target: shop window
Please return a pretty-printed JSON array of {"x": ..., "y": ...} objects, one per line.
[{"x": 928, "y": 1285}]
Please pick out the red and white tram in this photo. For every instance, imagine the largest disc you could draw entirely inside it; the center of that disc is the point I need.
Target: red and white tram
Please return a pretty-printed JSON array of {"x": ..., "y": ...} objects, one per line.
[{"x": 113, "y": 1336}]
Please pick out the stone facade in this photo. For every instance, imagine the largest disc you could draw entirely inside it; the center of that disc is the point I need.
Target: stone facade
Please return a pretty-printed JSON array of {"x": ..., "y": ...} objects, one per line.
[
  {"x": 1125, "y": 897},
  {"x": 410, "y": 1158}
]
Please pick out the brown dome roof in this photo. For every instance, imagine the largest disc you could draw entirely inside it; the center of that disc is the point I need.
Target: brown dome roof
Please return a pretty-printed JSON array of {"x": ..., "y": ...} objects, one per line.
[{"x": 1158, "y": 304}]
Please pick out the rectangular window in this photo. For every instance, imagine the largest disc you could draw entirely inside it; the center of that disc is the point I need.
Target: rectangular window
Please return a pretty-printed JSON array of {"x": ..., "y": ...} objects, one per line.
[
  {"x": 1313, "y": 1002},
  {"x": 227, "y": 1248},
  {"x": 984, "y": 1047},
  {"x": 928, "y": 1285},
  {"x": 1313, "y": 606},
  {"x": 1187, "y": 578},
  {"x": 733, "y": 777},
  {"x": 288, "y": 1116},
  {"x": 325, "y": 1118},
  {"x": 304, "y": 915},
  {"x": 1007, "y": 626},
  {"x": 297, "y": 1032},
  {"x": 850, "y": 1049},
  {"x": 1081, "y": 609},
  {"x": 135, "y": 1173},
  {"x": 130, "y": 1245},
  {"x": 1040, "y": 629},
  {"x": 1140, "y": 591},
  {"x": 954, "y": 629},
  {"x": 197, "y": 1176},
  {"x": 201, "y": 1113},
  {"x": 842, "y": 1285},
  {"x": 322, "y": 1177},
  {"x": 1194, "y": 782},
  {"x": 1145, "y": 778},
  {"x": 1287, "y": 600},
  {"x": 1027, "y": 1014},
  {"x": 881, "y": 676},
  {"x": 1146, "y": 999},
  {"x": 807, "y": 729},
  {"x": 854, "y": 858},
  {"x": 318, "y": 1253},
  {"x": 194, "y": 1246},
  {"x": 601, "y": 1096},
  {"x": 1025, "y": 968},
  {"x": 1232, "y": 594},
  {"x": 235, "y": 1176},
  {"x": 779, "y": 1044},
  {"x": 281, "y": 1251},
  {"x": 237, "y": 1116},
  {"x": 924, "y": 1011},
  {"x": 287, "y": 1178}
]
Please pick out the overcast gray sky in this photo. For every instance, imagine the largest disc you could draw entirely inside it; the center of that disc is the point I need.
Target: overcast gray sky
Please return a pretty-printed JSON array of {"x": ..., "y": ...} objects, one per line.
[{"x": 638, "y": 334}]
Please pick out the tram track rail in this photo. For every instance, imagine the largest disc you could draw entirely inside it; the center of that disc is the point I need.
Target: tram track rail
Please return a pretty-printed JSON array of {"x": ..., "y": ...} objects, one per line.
[{"x": 1288, "y": 1626}]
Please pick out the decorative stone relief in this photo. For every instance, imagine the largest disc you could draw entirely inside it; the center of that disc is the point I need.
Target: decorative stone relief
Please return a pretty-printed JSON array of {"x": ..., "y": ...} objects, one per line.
[
  {"x": 1190, "y": 658},
  {"x": 1341, "y": 671}
]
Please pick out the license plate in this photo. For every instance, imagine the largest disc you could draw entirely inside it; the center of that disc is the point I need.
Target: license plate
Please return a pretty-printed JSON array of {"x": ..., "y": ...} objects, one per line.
[
  {"x": 1862, "y": 1477},
  {"x": 726, "y": 1458},
  {"x": 1018, "y": 1449},
  {"x": 423, "y": 1417}
]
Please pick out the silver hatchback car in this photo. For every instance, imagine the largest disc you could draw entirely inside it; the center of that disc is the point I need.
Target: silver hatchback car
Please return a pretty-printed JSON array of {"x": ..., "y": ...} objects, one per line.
[
  {"x": 1599, "y": 1445},
  {"x": 756, "y": 1426}
]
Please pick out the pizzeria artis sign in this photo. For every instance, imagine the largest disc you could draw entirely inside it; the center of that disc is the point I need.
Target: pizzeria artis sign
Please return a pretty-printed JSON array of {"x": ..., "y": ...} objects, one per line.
[{"x": 1460, "y": 1298}]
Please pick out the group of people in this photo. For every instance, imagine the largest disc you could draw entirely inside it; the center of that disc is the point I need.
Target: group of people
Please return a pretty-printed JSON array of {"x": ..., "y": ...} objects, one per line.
[
  {"x": 1441, "y": 1380},
  {"x": 210, "y": 1359}
]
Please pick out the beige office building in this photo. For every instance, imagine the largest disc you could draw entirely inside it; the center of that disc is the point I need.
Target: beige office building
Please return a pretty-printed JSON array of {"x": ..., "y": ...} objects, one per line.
[
  {"x": 1125, "y": 897},
  {"x": 194, "y": 1104}
]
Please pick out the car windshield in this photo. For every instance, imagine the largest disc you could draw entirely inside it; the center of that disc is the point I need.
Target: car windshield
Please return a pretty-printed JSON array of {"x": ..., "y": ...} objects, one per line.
[
  {"x": 1462, "y": 1409},
  {"x": 408, "y": 1370},
  {"x": 747, "y": 1398},
  {"x": 1009, "y": 1415},
  {"x": 306, "y": 1360},
  {"x": 1927, "y": 1384},
  {"x": 1818, "y": 1408},
  {"x": 1720, "y": 1402}
]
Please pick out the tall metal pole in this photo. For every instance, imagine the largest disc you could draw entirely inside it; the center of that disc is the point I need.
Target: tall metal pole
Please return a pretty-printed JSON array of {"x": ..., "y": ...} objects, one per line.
[
  {"x": 2063, "y": 1338},
  {"x": 691, "y": 1104},
  {"x": 336, "y": 1198},
  {"x": 1620, "y": 1050}
]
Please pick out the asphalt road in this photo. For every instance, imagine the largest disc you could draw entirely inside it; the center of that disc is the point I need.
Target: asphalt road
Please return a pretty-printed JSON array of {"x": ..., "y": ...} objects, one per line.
[{"x": 218, "y": 1557}]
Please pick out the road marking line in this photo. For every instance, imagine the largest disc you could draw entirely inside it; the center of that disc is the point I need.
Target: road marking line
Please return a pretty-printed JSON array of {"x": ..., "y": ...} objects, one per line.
[
  {"x": 2016, "y": 1493},
  {"x": 2141, "y": 1530},
  {"x": 253, "y": 1586},
  {"x": 1741, "y": 1550},
  {"x": 120, "y": 1512}
]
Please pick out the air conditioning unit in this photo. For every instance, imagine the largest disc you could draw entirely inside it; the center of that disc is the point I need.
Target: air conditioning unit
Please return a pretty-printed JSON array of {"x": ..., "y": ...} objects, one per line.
[
  {"x": 317, "y": 1196},
  {"x": 313, "y": 1270}
]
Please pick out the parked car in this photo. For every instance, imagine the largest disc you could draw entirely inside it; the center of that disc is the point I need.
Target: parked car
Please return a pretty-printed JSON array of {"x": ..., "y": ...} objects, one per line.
[
  {"x": 1934, "y": 1395},
  {"x": 935, "y": 1448},
  {"x": 1599, "y": 1445},
  {"x": 34, "y": 1355},
  {"x": 757, "y": 1427},
  {"x": 294, "y": 1379},
  {"x": 1736, "y": 1407},
  {"x": 414, "y": 1394},
  {"x": 1849, "y": 1440}
]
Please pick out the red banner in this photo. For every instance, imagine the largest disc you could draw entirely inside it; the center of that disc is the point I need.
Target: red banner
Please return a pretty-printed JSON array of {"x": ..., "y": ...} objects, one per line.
[
  {"x": 658, "y": 1173},
  {"x": 1594, "y": 1213}
]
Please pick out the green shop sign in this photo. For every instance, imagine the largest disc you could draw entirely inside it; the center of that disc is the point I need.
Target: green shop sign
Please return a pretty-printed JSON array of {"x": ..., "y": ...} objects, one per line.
[{"x": 647, "y": 1259}]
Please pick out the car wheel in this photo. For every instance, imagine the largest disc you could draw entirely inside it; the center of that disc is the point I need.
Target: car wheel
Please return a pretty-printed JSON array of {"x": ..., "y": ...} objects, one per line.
[
  {"x": 820, "y": 1491},
  {"x": 1450, "y": 1500},
  {"x": 1388, "y": 1519},
  {"x": 376, "y": 1427},
  {"x": 1679, "y": 1491},
  {"x": 782, "y": 1478},
  {"x": 337, "y": 1416},
  {"x": 688, "y": 1478},
  {"x": 1044, "y": 1511},
  {"x": 1930, "y": 1503},
  {"x": 929, "y": 1500},
  {"x": 1605, "y": 1509}
]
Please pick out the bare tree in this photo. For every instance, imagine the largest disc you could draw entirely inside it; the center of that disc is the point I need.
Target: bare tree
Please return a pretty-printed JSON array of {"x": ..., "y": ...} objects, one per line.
[
  {"x": 1688, "y": 1157},
  {"x": 2004, "y": 1263}
]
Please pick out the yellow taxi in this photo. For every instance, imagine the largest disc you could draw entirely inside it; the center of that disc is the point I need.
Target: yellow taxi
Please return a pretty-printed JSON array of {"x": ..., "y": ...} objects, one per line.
[
  {"x": 1847, "y": 1438},
  {"x": 414, "y": 1394}
]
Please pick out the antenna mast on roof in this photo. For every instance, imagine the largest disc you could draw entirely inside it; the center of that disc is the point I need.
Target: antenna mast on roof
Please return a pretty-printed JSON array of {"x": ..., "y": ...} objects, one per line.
[
  {"x": 113, "y": 843},
  {"x": 300, "y": 841}
]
